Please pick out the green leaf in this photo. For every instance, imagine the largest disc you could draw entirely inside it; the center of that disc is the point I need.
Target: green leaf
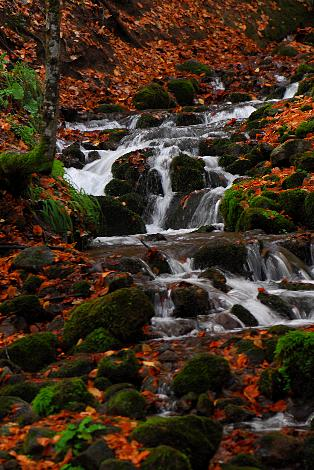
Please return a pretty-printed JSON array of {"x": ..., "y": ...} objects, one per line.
[{"x": 17, "y": 91}]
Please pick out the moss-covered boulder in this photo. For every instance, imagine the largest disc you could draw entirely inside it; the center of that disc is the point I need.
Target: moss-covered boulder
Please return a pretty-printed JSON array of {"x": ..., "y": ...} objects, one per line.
[
  {"x": 186, "y": 119},
  {"x": 187, "y": 174},
  {"x": 134, "y": 202},
  {"x": 286, "y": 50},
  {"x": 26, "y": 306},
  {"x": 118, "y": 219},
  {"x": 157, "y": 261},
  {"x": 31, "y": 284},
  {"x": 183, "y": 90},
  {"x": 306, "y": 86},
  {"x": 239, "y": 97},
  {"x": 69, "y": 394},
  {"x": 195, "y": 436},
  {"x": 109, "y": 108},
  {"x": 264, "y": 219},
  {"x": 120, "y": 367},
  {"x": 147, "y": 120},
  {"x": 272, "y": 384},
  {"x": 294, "y": 180},
  {"x": 189, "y": 300},
  {"x": 165, "y": 457},
  {"x": 123, "y": 313},
  {"x": 294, "y": 354},
  {"x": 99, "y": 340},
  {"x": 34, "y": 258},
  {"x": 309, "y": 210},
  {"x": 277, "y": 304},
  {"x": 305, "y": 162},
  {"x": 278, "y": 450},
  {"x": 203, "y": 372},
  {"x": 117, "y": 187},
  {"x": 284, "y": 154},
  {"x": 222, "y": 253},
  {"x": 74, "y": 367},
  {"x": 231, "y": 207},
  {"x": 16, "y": 409},
  {"x": 237, "y": 414},
  {"x": 244, "y": 315},
  {"x": 194, "y": 66},
  {"x": 128, "y": 403},
  {"x": 153, "y": 96},
  {"x": 131, "y": 166},
  {"x": 31, "y": 444},
  {"x": 115, "y": 464},
  {"x": 25, "y": 390},
  {"x": 34, "y": 351},
  {"x": 292, "y": 203},
  {"x": 72, "y": 156}
]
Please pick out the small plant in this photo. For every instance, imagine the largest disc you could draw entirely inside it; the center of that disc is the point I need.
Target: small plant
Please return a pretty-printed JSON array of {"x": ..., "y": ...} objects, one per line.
[
  {"x": 55, "y": 215},
  {"x": 76, "y": 436},
  {"x": 43, "y": 402}
]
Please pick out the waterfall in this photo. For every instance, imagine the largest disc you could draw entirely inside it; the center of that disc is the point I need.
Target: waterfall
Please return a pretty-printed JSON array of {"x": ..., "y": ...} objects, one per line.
[{"x": 291, "y": 90}]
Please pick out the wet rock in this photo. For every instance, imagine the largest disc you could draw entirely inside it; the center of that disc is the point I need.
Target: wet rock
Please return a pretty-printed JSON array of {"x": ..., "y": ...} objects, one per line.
[
  {"x": 239, "y": 97},
  {"x": 228, "y": 322},
  {"x": 277, "y": 304},
  {"x": 218, "y": 279},
  {"x": 157, "y": 261},
  {"x": 222, "y": 253},
  {"x": 33, "y": 259},
  {"x": 126, "y": 264},
  {"x": 118, "y": 219},
  {"x": 117, "y": 187},
  {"x": 147, "y": 120},
  {"x": 244, "y": 315},
  {"x": 123, "y": 313},
  {"x": 188, "y": 119},
  {"x": 177, "y": 327},
  {"x": 72, "y": 156},
  {"x": 181, "y": 211},
  {"x": 278, "y": 450},
  {"x": 202, "y": 373},
  {"x": 168, "y": 356},
  {"x": 165, "y": 457},
  {"x": 155, "y": 237},
  {"x": 197, "y": 437},
  {"x": 205, "y": 229},
  {"x": 286, "y": 152},
  {"x": 189, "y": 300},
  {"x": 31, "y": 446},
  {"x": 94, "y": 455},
  {"x": 117, "y": 281},
  {"x": 93, "y": 156},
  {"x": 187, "y": 174},
  {"x": 129, "y": 403},
  {"x": 237, "y": 414},
  {"x": 152, "y": 183}
]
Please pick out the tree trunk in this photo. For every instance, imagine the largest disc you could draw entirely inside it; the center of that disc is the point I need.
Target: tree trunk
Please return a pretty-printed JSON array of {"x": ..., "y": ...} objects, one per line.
[{"x": 51, "y": 98}]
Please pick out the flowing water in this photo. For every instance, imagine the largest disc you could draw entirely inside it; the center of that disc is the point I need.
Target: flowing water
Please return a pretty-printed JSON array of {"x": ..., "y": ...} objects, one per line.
[{"x": 265, "y": 268}]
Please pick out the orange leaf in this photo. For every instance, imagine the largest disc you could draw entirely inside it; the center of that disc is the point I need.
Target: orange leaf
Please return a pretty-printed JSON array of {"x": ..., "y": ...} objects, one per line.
[
  {"x": 251, "y": 392},
  {"x": 11, "y": 292},
  {"x": 37, "y": 230}
]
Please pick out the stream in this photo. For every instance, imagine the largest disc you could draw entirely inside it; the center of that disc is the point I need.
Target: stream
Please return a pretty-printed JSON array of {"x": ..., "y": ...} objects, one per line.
[{"x": 266, "y": 267}]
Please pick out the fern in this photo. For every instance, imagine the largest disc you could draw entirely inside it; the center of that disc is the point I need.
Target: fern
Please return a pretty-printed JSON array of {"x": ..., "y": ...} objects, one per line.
[
  {"x": 43, "y": 402},
  {"x": 54, "y": 214}
]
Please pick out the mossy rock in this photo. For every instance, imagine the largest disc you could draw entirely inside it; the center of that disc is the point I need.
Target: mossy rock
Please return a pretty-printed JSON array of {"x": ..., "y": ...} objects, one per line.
[
  {"x": 118, "y": 219},
  {"x": 26, "y": 306},
  {"x": 292, "y": 203},
  {"x": 231, "y": 207},
  {"x": 262, "y": 112},
  {"x": 202, "y": 373},
  {"x": 110, "y": 108},
  {"x": 222, "y": 253},
  {"x": 72, "y": 156},
  {"x": 187, "y": 174},
  {"x": 68, "y": 394},
  {"x": 147, "y": 121},
  {"x": 153, "y": 96},
  {"x": 118, "y": 387},
  {"x": 286, "y": 51},
  {"x": 165, "y": 457},
  {"x": 255, "y": 354},
  {"x": 81, "y": 288},
  {"x": 117, "y": 187},
  {"x": 73, "y": 368},
  {"x": 32, "y": 284},
  {"x": 194, "y": 66},
  {"x": 237, "y": 414},
  {"x": 195, "y": 436},
  {"x": 240, "y": 166},
  {"x": 306, "y": 127},
  {"x": 277, "y": 304},
  {"x": 33, "y": 259},
  {"x": 123, "y": 313},
  {"x": 99, "y": 340},
  {"x": 245, "y": 460},
  {"x": 25, "y": 390},
  {"x": 31, "y": 446},
  {"x": 122, "y": 366},
  {"x": 217, "y": 278},
  {"x": 131, "y": 165},
  {"x": 286, "y": 153},
  {"x": 214, "y": 146},
  {"x": 306, "y": 162},
  {"x": 306, "y": 86},
  {"x": 263, "y": 202},
  {"x": 294, "y": 354},
  {"x": 309, "y": 210},
  {"x": 134, "y": 202},
  {"x": 264, "y": 219},
  {"x": 272, "y": 384},
  {"x": 189, "y": 301},
  {"x": 204, "y": 405},
  {"x": 128, "y": 403},
  {"x": 16, "y": 410},
  {"x": 114, "y": 464},
  {"x": 188, "y": 119},
  {"x": 295, "y": 179},
  {"x": 239, "y": 97},
  {"x": 279, "y": 330},
  {"x": 244, "y": 315},
  {"x": 34, "y": 351},
  {"x": 308, "y": 452},
  {"x": 183, "y": 90},
  {"x": 278, "y": 450}
]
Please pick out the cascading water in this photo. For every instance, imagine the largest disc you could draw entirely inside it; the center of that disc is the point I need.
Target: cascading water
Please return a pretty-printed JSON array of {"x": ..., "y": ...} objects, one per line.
[{"x": 265, "y": 267}]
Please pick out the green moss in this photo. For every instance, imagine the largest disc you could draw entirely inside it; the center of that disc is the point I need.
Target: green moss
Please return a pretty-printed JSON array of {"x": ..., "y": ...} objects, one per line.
[
  {"x": 309, "y": 210},
  {"x": 279, "y": 330},
  {"x": 302, "y": 70},
  {"x": 81, "y": 288},
  {"x": 306, "y": 161},
  {"x": 31, "y": 284},
  {"x": 244, "y": 315},
  {"x": 146, "y": 121},
  {"x": 286, "y": 51},
  {"x": 117, "y": 187},
  {"x": 203, "y": 372},
  {"x": 292, "y": 203},
  {"x": 40, "y": 347},
  {"x": 214, "y": 146},
  {"x": 294, "y": 354},
  {"x": 187, "y": 173},
  {"x": 118, "y": 219},
  {"x": 110, "y": 108},
  {"x": 231, "y": 207},
  {"x": 99, "y": 340},
  {"x": 245, "y": 460},
  {"x": 262, "y": 112},
  {"x": 128, "y": 403},
  {"x": 195, "y": 436},
  {"x": 123, "y": 313},
  {"x": 120, "y": 367},
  {"x": 134, "y": 202},
  {"x": 152, "y": 96},
  {"x": 295, "y": 179},
  {"x": 306, "y": 86},
  {"x": 25, "y": 390},
  {"x": 57, "y": 170},
  {"x": 240, "y": 166},
  {"x": 26, "y": 306},
  {"x": 70, "y": 394},
  {"x": 165, "y": 457},
  {"x": 264, "y": 219},
  {"x": 271, "y": 384},
  {"x": 306, "y": 127},
  {"x": 114, "y": 464},
  {"x": 239, "y": 97},
  {"x": 263, "y": 202},
  {"x": 254, "y": 353},
  {"x": 195, "y": 67},
  {"x": 183, "y": 90},
  {"x": 222, "y": 253},
  {"x": 73, "y": 368}
]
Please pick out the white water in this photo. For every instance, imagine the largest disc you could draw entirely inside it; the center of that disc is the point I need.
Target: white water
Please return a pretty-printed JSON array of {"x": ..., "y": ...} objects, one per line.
[{"x": 291, "y": 90}]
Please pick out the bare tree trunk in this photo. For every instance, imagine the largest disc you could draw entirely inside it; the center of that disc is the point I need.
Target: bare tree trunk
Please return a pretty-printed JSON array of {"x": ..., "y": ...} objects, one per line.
[{"x": 51, "y": 99}]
